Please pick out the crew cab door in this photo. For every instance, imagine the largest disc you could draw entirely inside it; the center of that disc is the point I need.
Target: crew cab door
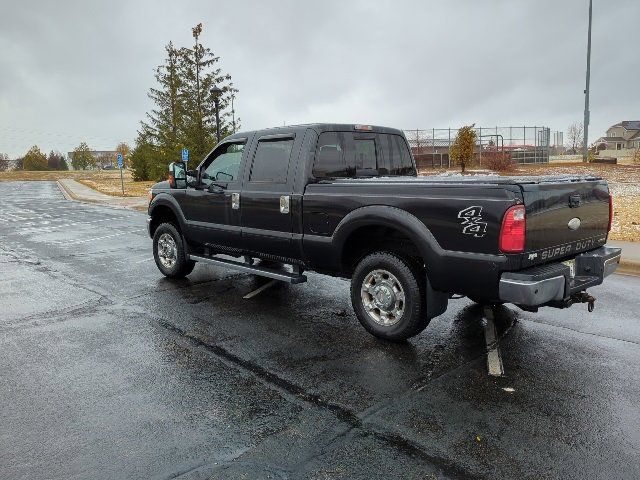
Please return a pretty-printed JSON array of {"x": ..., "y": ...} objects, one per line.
[
  {"x": 265, "y": 207},
  {"x": 211, "y": 203}
]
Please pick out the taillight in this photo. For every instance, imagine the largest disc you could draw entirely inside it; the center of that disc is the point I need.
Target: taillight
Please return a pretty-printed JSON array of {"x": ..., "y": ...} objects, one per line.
[
  {"x": 610, "y": 213},
  {"x": 512, "y": 233}
]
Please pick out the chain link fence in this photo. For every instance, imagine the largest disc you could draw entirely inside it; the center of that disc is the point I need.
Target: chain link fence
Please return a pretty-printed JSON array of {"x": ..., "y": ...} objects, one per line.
[{"x": 523, "y": 144}]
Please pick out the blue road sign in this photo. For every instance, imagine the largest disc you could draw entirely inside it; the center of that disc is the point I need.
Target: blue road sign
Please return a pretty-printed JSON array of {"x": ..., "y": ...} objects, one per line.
[
  {"x": 120, "y": 160},
  {"x": 185, "y": 155}
]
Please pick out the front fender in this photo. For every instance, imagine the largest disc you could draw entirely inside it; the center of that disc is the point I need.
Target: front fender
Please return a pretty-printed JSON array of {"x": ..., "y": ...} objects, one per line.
[{"x": 164, "y": 200}]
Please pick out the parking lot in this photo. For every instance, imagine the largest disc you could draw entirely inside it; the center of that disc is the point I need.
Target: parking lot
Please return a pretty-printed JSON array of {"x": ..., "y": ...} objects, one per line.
[{"x": 109, "y": 370}]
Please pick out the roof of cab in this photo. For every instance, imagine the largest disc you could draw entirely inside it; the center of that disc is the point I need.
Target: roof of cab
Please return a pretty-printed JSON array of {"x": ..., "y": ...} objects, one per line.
[{"x": 318, "y": 127}]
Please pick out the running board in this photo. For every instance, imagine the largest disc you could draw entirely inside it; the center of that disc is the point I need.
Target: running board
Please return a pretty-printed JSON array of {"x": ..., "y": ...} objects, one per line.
[{"x": 254, "y": 269}]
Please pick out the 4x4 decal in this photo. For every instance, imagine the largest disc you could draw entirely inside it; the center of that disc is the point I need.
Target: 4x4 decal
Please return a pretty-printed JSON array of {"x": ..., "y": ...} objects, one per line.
[{"x": 472, "y": 223}]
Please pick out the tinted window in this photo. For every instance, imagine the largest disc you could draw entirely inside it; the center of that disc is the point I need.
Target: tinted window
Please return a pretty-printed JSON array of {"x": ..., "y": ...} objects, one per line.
[
  {"x": 396, "y": 157},
  {"x": 365, "y": 158},
  {"x": 271, "y": 161},
  {"x": 225, "y": 164},
  {"x": 330, "y": 161}
]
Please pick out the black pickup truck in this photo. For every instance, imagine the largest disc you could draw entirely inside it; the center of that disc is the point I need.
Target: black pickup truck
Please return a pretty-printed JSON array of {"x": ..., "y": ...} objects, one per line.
[{"x": 345, "y": 200}]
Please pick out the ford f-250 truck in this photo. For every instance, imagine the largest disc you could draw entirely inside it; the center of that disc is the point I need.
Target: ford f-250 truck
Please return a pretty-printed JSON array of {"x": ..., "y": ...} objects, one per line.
[{"x": 346, "y": 200}]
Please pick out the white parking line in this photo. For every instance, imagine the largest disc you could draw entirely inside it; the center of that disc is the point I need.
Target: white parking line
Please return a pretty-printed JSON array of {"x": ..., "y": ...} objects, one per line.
[
  {"x": 260, "y": 289},
  {"x": 494, "y": 358}
]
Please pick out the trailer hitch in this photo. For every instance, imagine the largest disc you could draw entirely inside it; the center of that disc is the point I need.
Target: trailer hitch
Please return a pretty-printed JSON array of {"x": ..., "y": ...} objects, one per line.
[{"x": 584, "y": 297}]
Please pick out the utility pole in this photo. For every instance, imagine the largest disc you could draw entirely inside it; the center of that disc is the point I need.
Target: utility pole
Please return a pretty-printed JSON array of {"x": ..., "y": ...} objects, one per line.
[{"x": 585, "y": 138}]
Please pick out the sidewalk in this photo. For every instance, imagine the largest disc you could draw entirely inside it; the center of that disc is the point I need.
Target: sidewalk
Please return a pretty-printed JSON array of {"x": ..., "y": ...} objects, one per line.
[
  {"x": 630, "y": 263},
  {"x": 73, "y": 190}
]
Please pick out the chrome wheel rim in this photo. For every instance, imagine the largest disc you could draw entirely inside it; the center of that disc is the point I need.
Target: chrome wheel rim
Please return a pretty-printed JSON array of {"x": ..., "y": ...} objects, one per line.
[
  {"x": 383, "y": 297},
  {"x": 167, "y": 250}
]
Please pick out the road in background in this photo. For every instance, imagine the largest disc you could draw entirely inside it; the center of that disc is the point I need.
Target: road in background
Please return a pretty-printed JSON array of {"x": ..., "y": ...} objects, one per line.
[{"x": 110, "y": 370}]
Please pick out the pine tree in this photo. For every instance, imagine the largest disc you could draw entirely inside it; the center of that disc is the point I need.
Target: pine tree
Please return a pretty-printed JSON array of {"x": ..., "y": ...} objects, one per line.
[
  {"x": 200, "y": 73},
  {"x": 56, "y": 161},
  {"x": 82, "y": 158},
  {"x": 184, "y": 112},
  {"x": 165, "y": 125},
  {"x": 35, "y": 159}
]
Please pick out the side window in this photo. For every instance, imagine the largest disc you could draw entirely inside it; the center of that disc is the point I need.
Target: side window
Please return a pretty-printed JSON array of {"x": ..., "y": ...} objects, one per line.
[
  {"x": 271, "y": 161},
  {"x": 397, "y": 159},
  {"x": 366, "y": 161},
  {"x": 225, "y": 165},
  {"x": 330, "y": 161}
]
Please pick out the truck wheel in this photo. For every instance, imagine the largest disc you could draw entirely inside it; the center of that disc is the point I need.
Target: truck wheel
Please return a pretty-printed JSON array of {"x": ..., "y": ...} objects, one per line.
[
  {"x": 387, "y": 294},
  {"x": 168, "y": 252}
]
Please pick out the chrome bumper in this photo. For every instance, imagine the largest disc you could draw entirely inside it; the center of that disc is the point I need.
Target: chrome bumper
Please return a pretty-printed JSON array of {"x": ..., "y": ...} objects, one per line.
[{"x": 551, "y": 283}]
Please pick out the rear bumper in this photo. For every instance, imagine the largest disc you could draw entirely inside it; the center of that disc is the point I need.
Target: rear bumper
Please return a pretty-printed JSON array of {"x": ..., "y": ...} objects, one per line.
[{"x": 553, "y": 285}]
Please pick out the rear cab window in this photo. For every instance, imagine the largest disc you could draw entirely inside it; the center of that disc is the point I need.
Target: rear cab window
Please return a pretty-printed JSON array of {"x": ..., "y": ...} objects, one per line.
[{"x": 349, "y": 155}]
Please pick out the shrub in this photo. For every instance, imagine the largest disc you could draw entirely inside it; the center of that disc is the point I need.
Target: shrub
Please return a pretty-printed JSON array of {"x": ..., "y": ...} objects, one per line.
[{"x": 498, "y": 161}]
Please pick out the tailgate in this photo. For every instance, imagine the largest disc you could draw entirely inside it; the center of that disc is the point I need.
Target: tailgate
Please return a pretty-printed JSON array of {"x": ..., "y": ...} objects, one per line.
[{"x": 564, "y": 217}]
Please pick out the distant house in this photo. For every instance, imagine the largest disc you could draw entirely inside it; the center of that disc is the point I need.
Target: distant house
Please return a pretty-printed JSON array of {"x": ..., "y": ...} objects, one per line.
[
  {"x": 104, "y": 158},
  {"x": 620, "y": 137}
]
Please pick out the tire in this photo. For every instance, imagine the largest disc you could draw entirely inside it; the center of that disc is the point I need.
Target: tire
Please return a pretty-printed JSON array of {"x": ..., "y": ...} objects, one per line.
[
  {"x": 169, "y": 252},
  {"x": 395, "y": 277}
]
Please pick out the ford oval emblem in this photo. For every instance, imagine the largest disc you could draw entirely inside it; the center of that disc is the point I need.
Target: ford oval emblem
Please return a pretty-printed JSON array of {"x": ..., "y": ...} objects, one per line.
[{"x": 574, "y": 223}]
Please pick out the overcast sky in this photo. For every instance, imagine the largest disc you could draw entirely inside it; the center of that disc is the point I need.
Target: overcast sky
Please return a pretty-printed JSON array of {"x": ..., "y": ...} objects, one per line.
[{"x": 80, "y": 70}]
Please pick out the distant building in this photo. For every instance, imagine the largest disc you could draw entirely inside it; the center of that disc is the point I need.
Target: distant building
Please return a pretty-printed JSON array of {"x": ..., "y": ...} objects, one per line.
[
  {"x": 104, "y": 158},
  {"x": 623, "y": 137}
]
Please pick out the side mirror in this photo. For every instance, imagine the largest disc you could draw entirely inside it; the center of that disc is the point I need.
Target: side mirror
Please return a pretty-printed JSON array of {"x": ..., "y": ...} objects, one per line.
[{"x": 177, "y": 175}]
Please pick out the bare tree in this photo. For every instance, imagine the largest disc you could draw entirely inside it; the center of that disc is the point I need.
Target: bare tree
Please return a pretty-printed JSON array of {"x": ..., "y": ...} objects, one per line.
[
  {"x": 574, "y": 135},
  {"x": 4, "y": 162}
]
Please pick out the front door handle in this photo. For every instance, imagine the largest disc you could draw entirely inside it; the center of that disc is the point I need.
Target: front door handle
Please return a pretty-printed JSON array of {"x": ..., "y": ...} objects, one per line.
[
  {"x": 235, "y": 201},
  {"x": 284, "y": 204}
]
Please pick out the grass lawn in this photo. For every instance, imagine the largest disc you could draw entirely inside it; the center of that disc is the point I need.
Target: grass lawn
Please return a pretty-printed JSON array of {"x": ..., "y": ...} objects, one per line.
[{"x": 105, "y": 181}]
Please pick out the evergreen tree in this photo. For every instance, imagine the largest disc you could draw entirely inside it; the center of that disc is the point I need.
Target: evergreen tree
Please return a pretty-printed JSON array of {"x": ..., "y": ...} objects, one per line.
[
  {"x": 184, "y": 110},
  {"x": 35, "y": 159},
  {"x": 165, "y": 122},
  {"x": 82, "y": 158},
  {"x": 56, "y": 161},
  {"x": 200, "y": 72}
]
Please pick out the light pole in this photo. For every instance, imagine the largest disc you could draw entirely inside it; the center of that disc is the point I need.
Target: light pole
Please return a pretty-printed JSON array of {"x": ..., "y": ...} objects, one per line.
[
  {"x": 216, "y": 92},
  {"x": 585, "y": 139}
]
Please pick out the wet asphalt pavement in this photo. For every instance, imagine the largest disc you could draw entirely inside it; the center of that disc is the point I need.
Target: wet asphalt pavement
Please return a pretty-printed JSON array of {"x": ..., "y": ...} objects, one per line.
[{"x": 110, "y": 370}]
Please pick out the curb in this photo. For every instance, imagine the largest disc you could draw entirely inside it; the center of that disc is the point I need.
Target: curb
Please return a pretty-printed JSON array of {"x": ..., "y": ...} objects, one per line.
[
  {"x": 629, "y": 267},
  {"x": 69, "y": 195}
]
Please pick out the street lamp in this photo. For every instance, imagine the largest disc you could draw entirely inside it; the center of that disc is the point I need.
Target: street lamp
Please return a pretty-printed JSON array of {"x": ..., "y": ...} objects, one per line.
[{"x": 217, "y": 92}]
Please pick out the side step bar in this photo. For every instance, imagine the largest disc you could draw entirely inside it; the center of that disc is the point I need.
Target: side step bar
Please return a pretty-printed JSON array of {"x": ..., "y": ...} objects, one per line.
[{"x": 254, "y": 269}]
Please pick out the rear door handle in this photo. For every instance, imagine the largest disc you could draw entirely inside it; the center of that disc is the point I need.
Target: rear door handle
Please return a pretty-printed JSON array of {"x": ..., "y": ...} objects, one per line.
[{"x": 284, "y": 203}]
